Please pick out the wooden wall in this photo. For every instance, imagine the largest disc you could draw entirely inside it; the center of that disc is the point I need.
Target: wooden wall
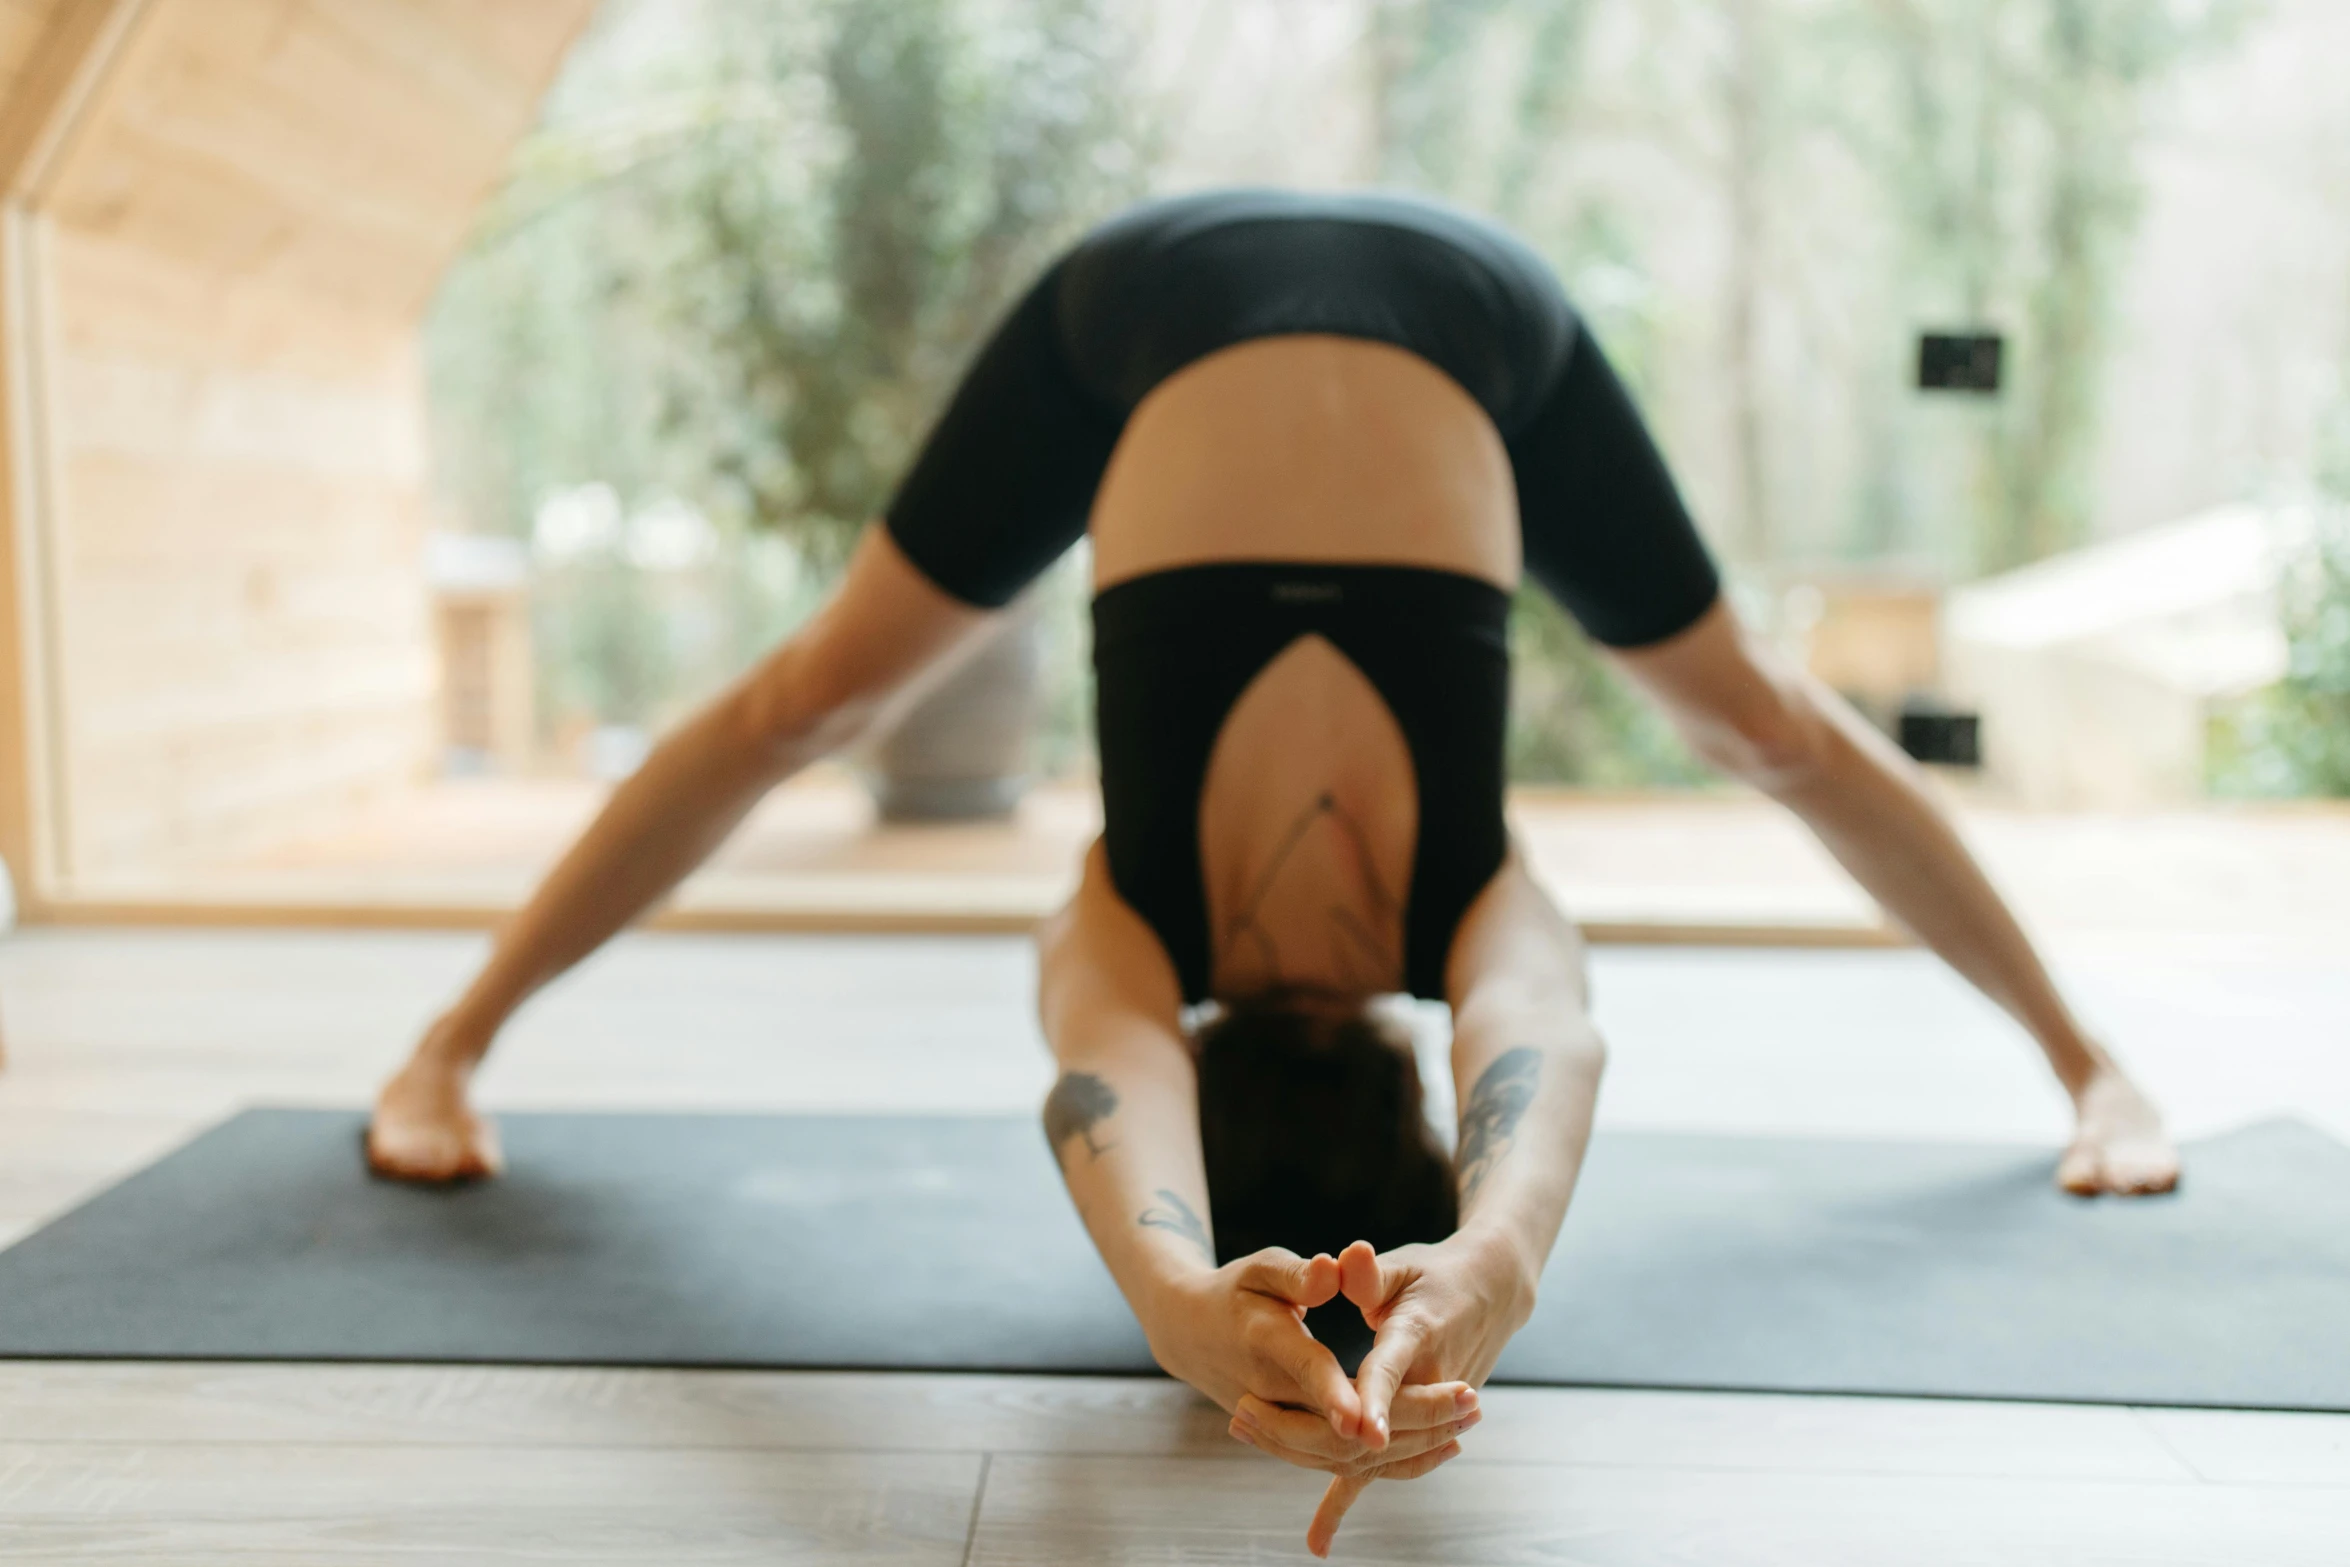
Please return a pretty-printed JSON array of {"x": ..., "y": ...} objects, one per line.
[
  {"x": 39, "y": 58},
  {"x": 22, "y": 22},
  {"x": 229, "y": 258}
]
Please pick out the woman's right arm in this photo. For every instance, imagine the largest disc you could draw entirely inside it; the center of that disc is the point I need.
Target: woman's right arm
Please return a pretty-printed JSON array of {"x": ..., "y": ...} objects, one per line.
[
  {"x": 856, "y": 662},
  {"x": 1123, "y": 1121}
]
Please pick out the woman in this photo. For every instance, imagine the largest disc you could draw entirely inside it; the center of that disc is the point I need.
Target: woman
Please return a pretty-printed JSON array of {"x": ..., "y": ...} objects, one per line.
[{"x": 1314, "y": 440}]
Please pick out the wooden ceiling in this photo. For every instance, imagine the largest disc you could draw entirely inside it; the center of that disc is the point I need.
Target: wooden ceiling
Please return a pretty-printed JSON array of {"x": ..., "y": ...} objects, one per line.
[
  {"x": 337, "y": 148},
  {"x": 21, "y": 24}
]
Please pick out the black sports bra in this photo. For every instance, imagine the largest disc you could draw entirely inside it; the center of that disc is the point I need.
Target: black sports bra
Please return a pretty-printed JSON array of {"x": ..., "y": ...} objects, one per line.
[{"x": 1173, "y": 651}]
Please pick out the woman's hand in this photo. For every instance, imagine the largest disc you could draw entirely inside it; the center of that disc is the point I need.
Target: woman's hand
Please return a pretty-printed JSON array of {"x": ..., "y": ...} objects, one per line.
[
  {"x": 1440, "y": 1315},
  {"x": 1425, "y": 1424},
  {"x": 1239, "y": 1336},
  {"x": 1241, "y": 1330}
]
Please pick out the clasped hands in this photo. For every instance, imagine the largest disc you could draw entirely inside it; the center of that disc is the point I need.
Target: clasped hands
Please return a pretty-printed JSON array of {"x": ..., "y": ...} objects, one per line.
[{"x": 1439, "y": 1315}]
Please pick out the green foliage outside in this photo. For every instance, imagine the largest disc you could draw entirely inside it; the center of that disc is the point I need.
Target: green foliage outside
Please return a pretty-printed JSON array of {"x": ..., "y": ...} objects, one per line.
[
  {"x": 1897, "y": 164},
  {"x": 2006, "y": 134},
  {"x": 746, "y": 254},
  {"x": 1995, "y": 144},
  {"x": 2294, "y": 738},
  {"x": 740, "y": 266},
  {"x": 1572, "y": 719}
]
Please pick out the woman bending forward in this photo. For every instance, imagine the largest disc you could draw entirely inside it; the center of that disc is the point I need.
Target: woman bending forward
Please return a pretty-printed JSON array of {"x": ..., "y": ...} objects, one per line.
[{"x": 1315, "y": 440}]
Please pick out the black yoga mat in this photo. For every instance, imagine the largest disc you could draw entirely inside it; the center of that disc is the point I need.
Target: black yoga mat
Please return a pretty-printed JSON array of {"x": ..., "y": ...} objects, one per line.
[{"x": 1688, "y": 1261}]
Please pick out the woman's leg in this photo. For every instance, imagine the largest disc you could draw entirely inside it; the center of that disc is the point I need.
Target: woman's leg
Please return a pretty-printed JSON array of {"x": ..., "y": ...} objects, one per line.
[
  {"x": 866, "y": 651},
  {"x": 1748, "y": 712}
]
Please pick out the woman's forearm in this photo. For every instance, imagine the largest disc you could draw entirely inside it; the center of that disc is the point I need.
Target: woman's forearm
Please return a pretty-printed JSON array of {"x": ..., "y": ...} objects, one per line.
[
  {"x": 1125, "y": 1128},
  {"x": 1526, "y": 1061},
  {"x": 1527, "y": 1085},
  {"x": 1123, "y": 1116}
]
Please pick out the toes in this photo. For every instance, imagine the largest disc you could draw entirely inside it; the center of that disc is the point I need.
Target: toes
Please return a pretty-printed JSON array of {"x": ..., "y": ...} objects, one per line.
[
  {"x": 2082, "y": 1170},
  {"x": 413, "y": 1156},
  {"x": 434, "y": 1153},
  {"x": 2141, "y": 1172},
  {"x": 2089, "y": 1170},
  {"x": 393, "y": 1157},
  {"x": 483, "y": 1157}
]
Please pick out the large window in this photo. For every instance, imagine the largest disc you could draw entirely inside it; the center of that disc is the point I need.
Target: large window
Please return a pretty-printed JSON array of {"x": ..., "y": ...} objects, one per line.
[
  {"x": 734, "y": 272},
  {"x": 724, "y": 285}
]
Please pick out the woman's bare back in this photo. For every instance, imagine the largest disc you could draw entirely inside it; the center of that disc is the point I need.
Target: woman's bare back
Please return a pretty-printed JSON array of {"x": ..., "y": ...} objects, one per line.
[{"x": 1308, "y": 448}]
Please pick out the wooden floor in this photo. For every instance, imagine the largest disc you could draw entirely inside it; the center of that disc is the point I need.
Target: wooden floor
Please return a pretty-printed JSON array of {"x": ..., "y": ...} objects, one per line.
[{"x": 124, "y": 1043}]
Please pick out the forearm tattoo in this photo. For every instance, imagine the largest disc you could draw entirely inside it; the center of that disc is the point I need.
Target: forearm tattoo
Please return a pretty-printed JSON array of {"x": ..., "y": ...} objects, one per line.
[
  {"x": 1178, "y": 1219},
  {"x": 1490, "y": 1119},
  {"x": 1078, "y": 1103}
]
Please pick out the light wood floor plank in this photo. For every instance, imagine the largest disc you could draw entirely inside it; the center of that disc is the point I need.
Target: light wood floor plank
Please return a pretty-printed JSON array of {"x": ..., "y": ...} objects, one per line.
[
  {"x": 1828, "y": 1435},
  {"x": 586, "y": 1407},
  {"x": 2252, "y": 1447},
  {"x": 1047, "y": 1512},
  {"x": 53, "y": 1157},
  {"x": 195, "y": 1506},
  {"x": 154, "y": 1403}
]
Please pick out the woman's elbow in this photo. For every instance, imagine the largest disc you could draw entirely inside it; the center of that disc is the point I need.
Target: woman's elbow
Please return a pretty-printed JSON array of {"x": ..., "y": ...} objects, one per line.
[{"x": 1582, "y": 1051}]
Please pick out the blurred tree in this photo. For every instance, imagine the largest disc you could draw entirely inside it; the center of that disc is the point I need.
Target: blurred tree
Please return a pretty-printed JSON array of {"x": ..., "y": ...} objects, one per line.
[
  {"x": 814, "y": 317},
  {"x": 2011, "y": 163},
  {"x": 2294, "y": 739},
  {"x": 1572, "y": 719},
  {"x": 743, "y": 259},
  {"x": 1752, "y": 110},
  {"x": 605, "y": 645},
  {"x": 740, "y": 263},
  {"x": 1423, "y": 55}
]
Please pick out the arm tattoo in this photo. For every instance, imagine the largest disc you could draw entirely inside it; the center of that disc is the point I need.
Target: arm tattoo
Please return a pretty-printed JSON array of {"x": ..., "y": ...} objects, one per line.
[
  {"x": 1181, "y": 1221},
  {"x": 1078, "y": 1103},
  {"x": 1504, "y": 1089}
]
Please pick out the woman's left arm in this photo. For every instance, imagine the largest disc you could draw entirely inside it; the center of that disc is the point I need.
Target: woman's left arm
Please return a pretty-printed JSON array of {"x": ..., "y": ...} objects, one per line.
[
  {"x": 1123, "y": 1119},
  {"x": 1526, "y": 1062}
]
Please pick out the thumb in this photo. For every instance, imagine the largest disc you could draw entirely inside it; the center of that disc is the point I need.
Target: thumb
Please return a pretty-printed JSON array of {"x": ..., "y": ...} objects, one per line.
[
  {"x": 1284, "y": 1275},
  {"x": 1383, "y": 1370},
  {"x": 1367, "y": 1281}
]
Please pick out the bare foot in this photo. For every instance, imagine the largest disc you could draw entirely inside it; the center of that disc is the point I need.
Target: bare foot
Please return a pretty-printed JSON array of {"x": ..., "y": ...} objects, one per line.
[
  {"x": 2119, "y": 1145},
  {"x": 424, "y": 1130}
]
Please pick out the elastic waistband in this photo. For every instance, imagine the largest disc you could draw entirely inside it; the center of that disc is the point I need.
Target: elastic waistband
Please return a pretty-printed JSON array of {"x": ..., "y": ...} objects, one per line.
[{"x": 1303, "y": 590}]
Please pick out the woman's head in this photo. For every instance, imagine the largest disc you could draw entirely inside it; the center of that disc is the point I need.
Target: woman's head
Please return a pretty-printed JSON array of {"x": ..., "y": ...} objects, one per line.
[{"x": 1311, "y": 1120}]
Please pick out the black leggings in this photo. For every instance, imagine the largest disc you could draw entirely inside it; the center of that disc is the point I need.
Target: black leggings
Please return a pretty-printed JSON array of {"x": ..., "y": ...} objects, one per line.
[{"x": 1006, "y": 480}]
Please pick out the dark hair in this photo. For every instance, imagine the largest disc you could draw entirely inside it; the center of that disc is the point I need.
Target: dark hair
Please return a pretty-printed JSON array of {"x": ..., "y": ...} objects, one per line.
[{"x": 1311, "y": 1120}]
